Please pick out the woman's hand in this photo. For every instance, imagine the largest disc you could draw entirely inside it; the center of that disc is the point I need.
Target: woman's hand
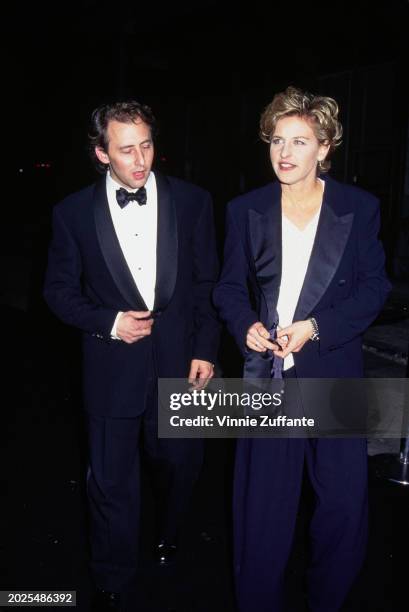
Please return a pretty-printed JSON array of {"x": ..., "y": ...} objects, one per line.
[
  {"x": 258, "y": 339},
  {"x": 297, "y": 334}
]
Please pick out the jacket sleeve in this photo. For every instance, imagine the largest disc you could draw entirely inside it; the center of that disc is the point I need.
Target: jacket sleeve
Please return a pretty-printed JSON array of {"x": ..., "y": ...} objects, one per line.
[
  {"x": 63, "y": 284},
  {"x": 350, "y": 317},
  {"x": 231, "y": 295},
  {"x": 205, "y": 275}
]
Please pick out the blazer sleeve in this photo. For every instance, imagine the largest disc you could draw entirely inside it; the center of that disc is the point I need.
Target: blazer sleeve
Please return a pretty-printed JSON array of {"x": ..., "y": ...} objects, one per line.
[
  {"x": 231, "y": 295},
  {"x": 205, "y": 275},
  {"x": 63, "y": 284},
  {"x": 349, "y": 318}
]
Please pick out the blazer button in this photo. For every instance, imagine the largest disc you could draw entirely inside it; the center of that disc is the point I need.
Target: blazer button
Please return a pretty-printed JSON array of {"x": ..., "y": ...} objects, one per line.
[{"x": 341, "y": 282}]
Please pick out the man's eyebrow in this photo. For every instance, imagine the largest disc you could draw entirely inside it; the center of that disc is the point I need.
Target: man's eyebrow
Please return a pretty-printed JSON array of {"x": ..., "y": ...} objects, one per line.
[{"x": 129, "y": 146}]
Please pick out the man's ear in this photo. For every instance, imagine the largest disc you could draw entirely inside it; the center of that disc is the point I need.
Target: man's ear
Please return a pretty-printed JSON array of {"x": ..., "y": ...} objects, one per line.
[{"x": 102, "y": 155}]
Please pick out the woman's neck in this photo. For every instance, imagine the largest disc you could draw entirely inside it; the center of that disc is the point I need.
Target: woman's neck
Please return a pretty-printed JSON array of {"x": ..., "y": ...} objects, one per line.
[{"x": 303, "y": 196}]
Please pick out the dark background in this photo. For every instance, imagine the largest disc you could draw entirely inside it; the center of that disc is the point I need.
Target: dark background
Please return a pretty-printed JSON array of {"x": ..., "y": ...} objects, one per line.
[{"x": 207, "y": 69}]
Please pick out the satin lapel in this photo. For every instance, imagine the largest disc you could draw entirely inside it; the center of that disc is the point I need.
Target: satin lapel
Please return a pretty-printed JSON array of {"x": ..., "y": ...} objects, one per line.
[
  {"x": 167, "y": 244},
  {"x": 330, "y": 241},
  {"x": 111, "y": 249},
  {"x": 265, "y": 241}
]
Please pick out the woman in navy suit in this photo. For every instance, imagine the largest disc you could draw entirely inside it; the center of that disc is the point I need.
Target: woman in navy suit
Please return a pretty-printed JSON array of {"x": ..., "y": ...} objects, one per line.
[{"x": 304, "y": 267}]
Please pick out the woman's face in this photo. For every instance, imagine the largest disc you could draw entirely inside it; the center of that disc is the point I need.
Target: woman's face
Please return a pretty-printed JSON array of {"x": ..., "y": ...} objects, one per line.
[{"x": 295, "y": 151}]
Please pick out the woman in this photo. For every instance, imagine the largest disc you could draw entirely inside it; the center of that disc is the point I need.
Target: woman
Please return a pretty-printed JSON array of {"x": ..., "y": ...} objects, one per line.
[{"x": 302, "y": 259}]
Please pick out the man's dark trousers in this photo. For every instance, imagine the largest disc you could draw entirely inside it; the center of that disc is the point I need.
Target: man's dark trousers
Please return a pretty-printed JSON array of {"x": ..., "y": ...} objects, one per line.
[{"x": 114, "y": 484}]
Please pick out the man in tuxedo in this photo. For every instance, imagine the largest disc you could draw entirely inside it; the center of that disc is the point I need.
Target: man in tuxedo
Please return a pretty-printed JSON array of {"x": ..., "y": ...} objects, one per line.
[{"x": 132, "y": 264}]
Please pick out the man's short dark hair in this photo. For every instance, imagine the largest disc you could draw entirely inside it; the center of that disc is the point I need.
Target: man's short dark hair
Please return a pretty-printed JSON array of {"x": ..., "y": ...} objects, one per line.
[{"x": 124, "y": 112}]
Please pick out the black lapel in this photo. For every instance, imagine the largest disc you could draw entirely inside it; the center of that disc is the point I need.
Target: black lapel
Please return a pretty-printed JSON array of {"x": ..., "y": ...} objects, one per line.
[
  {"x": 265, "y": 241},
  {"x": 264, "y": 227},
  {"x": 111, "y": 249},
  {"x": 331, "y": 238},
  {"x": 167, "y": 244}
]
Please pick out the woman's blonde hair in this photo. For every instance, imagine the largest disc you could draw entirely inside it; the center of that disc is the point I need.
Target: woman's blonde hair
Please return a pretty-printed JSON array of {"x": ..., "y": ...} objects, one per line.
[{"x": 321, "y": 113}]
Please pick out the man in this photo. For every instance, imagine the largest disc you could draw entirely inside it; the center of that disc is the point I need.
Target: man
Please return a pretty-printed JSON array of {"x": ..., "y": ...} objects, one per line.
[{"x": 132, "y": 263}]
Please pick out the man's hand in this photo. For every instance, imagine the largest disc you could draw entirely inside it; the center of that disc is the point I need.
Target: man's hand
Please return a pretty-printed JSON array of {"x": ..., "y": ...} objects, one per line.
[
  {"x": 134, "y": 325},
  {"x": 200, "y": 373},
  {"x": 258, "y": 339},
  {"x": 297, "y": 335}
]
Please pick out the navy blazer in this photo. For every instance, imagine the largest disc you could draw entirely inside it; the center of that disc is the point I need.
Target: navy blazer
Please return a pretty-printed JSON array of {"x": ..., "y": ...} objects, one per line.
[
  {"x": 88, "y": 281},
  {"x": 344, "y": 288}
]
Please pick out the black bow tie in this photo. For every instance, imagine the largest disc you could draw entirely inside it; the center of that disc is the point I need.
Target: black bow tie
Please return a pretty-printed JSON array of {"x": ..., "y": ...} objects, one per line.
[{"x": 123, "y": 197}]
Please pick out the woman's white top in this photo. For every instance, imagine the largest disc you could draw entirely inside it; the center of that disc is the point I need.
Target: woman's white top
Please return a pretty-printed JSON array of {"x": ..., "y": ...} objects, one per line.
[{"x": 296, "y": 251}]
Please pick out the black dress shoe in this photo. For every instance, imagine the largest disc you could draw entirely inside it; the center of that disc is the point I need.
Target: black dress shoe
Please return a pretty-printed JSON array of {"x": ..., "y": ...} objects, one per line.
[
  {"x": 165, "y": 552},
  {"x": 105, "y": 601}
]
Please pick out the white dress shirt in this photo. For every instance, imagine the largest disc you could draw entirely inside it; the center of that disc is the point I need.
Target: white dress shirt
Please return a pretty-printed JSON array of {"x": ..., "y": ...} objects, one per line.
[
  {"x": 136, "y": 229},
  {"x": 296, "y": 251}
]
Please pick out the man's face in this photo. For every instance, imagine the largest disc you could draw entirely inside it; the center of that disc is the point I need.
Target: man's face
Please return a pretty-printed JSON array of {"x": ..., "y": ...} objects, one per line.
[{"x": 130, "y": 153}]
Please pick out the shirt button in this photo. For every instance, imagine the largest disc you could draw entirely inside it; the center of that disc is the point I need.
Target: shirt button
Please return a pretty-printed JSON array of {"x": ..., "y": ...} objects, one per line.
[{"x": 139, "y": 268}]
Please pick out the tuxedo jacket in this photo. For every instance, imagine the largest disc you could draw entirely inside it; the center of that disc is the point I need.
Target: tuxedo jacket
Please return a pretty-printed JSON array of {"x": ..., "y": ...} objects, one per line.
[
  {"x": 88, "y": 281},
  {"x": 344, "y": 288}
]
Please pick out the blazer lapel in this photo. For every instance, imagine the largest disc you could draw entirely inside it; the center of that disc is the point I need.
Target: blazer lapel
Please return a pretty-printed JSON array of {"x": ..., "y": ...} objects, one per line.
[
  {"x": 111, "y": 249},
  {"x": 330, "y": 241},
  {"x": 167, "y": 244},
  {"x": 265, "y": 241},
  {"x": 264, "y": 227}
]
